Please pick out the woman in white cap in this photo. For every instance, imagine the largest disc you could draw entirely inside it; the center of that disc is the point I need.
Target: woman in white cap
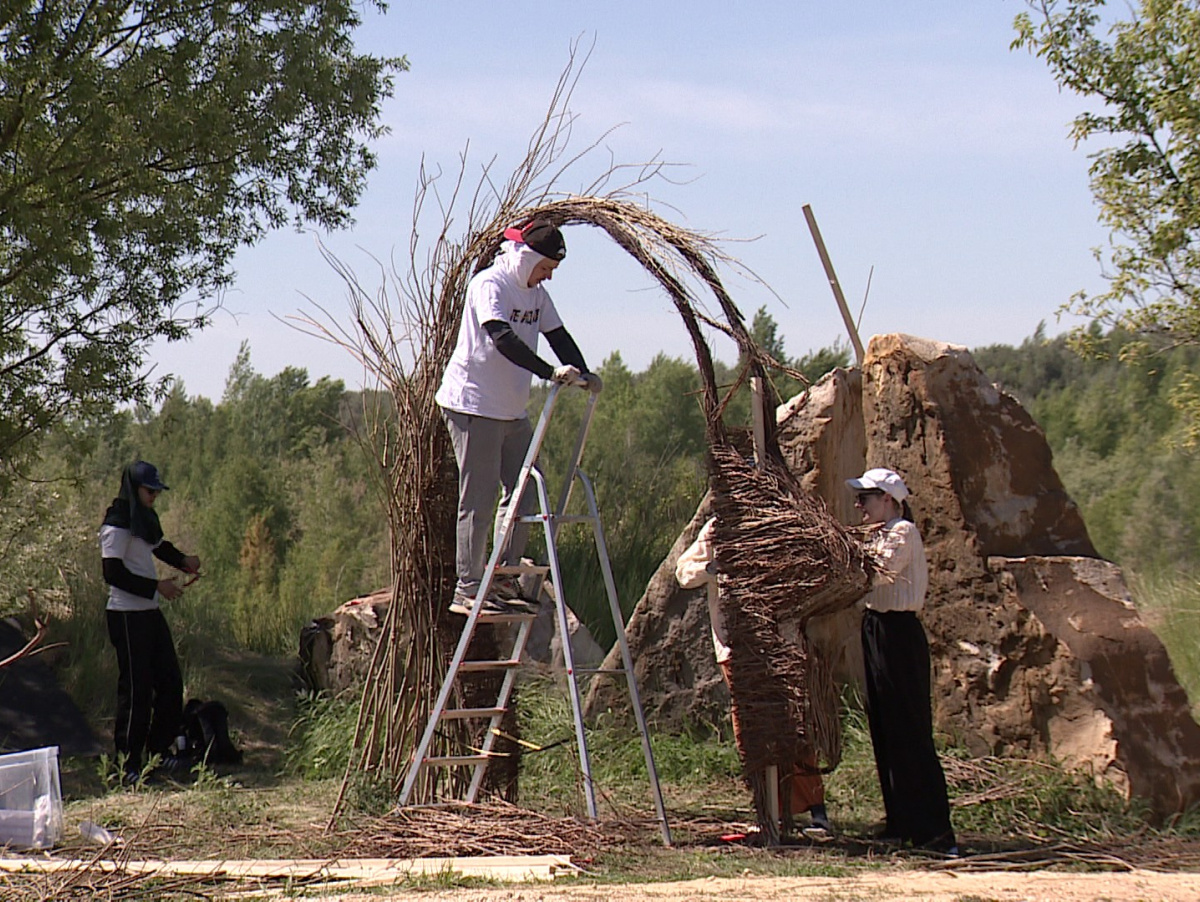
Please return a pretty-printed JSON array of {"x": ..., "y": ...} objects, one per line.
[{"x": 896, "y": 658}]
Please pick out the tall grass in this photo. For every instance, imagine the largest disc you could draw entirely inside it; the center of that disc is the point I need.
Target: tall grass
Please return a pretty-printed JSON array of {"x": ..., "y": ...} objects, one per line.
[
  {"x": 700, "y": 774},
  {"x": 319, "y": 741},
  {"x": 1170, "y": 605},
  {"x": 551, "y": 778}
]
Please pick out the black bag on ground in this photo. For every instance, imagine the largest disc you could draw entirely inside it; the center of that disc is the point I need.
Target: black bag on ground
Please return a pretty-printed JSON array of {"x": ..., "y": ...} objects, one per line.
[{"x": 206, "y": 728}]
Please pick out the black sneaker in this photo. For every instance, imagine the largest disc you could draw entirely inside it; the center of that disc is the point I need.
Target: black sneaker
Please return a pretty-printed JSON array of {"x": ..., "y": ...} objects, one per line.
[
  {"x": 519, "y": 605},
  {"x": 506, "y": 588},
  {"x": 819, "y": 831},
  {"x": 464, "y": 604},
  {"x": 945, "y": 844},
  {"x": 819, "y": 826},
  {"x": 176, "y": 767}
]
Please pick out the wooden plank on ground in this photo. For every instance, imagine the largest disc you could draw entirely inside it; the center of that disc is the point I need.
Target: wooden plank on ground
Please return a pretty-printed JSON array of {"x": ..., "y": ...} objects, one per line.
[{"x": 511, "y": 868}]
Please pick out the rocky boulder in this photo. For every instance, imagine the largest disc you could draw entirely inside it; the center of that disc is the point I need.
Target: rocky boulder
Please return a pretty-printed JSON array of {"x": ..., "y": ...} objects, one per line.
[
  {"x": 1107, "y": 701},
  {"x": 335, "y": 650},
  {"x": 821, "y": 436},
  {"x": 1036, "y": 647},
  {"x": 670, "y": 638}
]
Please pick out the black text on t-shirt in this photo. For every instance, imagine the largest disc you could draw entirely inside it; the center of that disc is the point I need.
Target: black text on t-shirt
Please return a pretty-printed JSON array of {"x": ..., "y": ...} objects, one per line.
[{"x": 525, "y": 316}]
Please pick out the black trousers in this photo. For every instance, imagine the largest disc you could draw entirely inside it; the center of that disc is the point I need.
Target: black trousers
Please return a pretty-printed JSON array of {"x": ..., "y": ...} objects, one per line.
[
  {"x": 896, "y": 655},
  {"x": 149, "y": 685}
]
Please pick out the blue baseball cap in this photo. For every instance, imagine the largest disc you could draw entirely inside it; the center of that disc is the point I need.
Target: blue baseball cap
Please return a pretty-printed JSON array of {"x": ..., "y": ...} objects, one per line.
[{"x": 146, "y": 474}]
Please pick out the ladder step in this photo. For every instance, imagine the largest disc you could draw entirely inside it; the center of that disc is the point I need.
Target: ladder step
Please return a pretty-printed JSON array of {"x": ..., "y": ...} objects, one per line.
[
  {"x": 619, "y": 671},
  {"x": 452, "y": 760},
  {"x": 482, "y": 666},
  {"x": 518, "y": 569},
  {"x": 471, "y": 713},
  {"x": 489, "y": 617}
]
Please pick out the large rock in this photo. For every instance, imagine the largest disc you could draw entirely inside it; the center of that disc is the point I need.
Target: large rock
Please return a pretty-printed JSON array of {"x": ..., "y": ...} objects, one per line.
[
  {"x": 1108, "y": 702},
  {"x": 982, "y": 484},
  {"x": 977, "y": 462},
  {"x": 821, "y": 436},
  {"x": 670, "y": 638},
  {"x": 545, "y": 641},
  {"x": 1035, "y": 657},
  {"x": 1037, "y": 651},
  {"x": 336, "y": 650}
]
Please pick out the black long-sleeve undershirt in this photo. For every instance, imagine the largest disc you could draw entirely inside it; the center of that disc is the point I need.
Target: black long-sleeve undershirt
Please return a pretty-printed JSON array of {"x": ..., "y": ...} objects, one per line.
[
  {"x": 565, "y": 349},
  {"x": 169, "y": 554},
  {"x": 117, "y": 574},
  {"x": 509, "y": 344}
]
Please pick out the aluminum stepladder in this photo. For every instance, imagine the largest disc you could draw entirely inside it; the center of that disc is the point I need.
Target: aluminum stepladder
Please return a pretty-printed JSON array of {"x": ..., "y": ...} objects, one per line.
[{"x": 551, "y": 519}]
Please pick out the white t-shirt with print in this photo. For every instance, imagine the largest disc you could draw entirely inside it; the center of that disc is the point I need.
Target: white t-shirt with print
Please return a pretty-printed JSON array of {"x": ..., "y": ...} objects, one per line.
[
  {"x": 138, "y": 557},
  {"x": 479, "y": 380}
]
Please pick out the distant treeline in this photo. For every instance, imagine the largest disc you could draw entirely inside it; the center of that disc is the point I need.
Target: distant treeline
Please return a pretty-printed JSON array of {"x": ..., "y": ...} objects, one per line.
[
  {"x": 271, "y": 485},
  {"x": 1122, "y": 423}
]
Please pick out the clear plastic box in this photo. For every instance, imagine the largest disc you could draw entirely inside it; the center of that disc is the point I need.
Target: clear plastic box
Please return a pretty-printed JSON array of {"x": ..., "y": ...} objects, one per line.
[{"x": 30, "y": 799}]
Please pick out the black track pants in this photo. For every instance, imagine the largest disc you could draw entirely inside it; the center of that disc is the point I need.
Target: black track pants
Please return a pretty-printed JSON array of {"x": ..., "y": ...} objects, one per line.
[
  {"x": 896, "y": 655},
  {"x": 149, "y": 686}
]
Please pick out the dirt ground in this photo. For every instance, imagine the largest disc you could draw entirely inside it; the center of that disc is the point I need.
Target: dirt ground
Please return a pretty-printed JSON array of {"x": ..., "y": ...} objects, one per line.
[{"x": 940, "y": 886}]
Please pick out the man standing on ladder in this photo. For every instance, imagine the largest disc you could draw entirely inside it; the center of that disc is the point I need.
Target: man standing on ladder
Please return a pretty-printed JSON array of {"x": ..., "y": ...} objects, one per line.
[{"x": 485, "y": 391}]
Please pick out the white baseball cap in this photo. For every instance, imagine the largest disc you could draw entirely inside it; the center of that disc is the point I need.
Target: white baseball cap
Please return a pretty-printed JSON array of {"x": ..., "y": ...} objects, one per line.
[{"x": 884, "y": 480}]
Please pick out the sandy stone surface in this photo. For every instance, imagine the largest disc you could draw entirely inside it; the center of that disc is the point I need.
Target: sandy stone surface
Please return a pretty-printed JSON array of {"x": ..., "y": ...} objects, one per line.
[{"x": 944, "y": 886}]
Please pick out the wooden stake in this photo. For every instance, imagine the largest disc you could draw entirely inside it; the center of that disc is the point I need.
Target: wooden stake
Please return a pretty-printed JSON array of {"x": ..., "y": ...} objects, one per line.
[
  {"x": 760, "y": 426},
  {"x": 835, "y": 285},
  {"x": 760, "y": 456}
]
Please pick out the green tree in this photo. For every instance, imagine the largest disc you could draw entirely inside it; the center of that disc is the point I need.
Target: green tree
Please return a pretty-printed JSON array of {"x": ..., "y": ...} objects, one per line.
[
  {"x": 1143, "y": 73},
  {"x": 765, "y": 331},
  {"x": 142, "y": 143},
  {"x": 816, "y": 364}
]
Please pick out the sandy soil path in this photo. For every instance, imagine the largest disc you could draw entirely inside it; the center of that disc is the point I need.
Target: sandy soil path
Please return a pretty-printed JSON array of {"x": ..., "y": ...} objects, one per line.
[{"x": 1136, "y": 886}]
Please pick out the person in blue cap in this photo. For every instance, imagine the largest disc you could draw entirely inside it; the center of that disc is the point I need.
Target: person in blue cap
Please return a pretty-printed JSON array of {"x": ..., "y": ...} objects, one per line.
[{"x": 149, "y": 685}]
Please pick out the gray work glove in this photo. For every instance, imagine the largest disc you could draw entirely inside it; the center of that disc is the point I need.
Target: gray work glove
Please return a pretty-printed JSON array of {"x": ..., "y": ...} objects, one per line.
[
  {"x": 593, "y": 383},
  {"x": 567, "y": 375}
]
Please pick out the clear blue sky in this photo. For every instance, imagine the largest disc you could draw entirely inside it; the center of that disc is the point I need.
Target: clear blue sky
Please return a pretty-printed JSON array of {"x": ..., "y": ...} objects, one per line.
[{"x": 927, "y": 149}]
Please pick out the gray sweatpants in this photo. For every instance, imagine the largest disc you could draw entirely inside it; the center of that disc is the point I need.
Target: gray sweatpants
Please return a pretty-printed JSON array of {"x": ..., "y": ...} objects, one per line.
[{"x": 489, "y": 454}]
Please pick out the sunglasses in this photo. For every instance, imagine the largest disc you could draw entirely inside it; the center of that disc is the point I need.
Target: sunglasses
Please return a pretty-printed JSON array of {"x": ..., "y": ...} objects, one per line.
[{"x": 863, "y": 497}]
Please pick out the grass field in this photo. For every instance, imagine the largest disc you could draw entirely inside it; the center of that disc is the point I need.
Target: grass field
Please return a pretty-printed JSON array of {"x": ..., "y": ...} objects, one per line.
[{"x": 279, "y": 804}]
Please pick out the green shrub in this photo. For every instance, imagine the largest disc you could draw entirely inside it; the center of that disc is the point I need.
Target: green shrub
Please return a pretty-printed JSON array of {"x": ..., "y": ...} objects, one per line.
[{"x": 321, "y": 735}]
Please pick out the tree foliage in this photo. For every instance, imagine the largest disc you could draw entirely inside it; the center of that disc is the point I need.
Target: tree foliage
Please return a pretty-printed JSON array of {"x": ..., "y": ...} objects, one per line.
[
  {"x": 142, "y": 142},
  {"x": 1143, "y": 73},
  {"x": 272, "y": 490},
  {"x": 1121, "y": 440}
]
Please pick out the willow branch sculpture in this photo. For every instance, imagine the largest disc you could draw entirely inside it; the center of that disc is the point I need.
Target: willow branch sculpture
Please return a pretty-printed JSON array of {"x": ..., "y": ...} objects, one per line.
[{"x": 404, "y": 336}]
